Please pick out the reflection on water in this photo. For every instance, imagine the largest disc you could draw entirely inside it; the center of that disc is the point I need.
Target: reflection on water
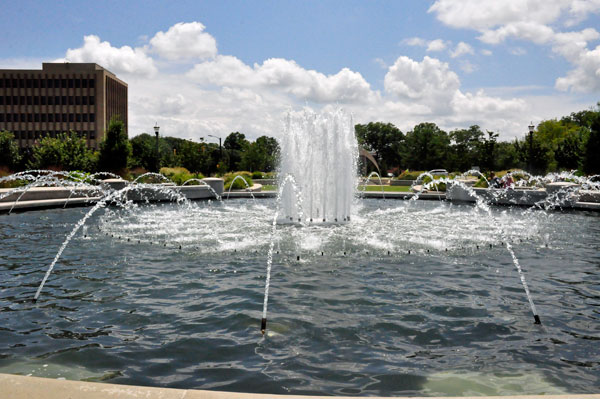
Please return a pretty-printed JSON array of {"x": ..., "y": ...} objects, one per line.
[{"x": 125, "y": 304}]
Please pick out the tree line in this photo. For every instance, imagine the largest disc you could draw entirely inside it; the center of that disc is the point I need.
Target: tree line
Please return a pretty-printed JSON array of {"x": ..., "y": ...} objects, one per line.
[
  {"x": 119, "y": 154},
  {"x": 569, "y": 143}
]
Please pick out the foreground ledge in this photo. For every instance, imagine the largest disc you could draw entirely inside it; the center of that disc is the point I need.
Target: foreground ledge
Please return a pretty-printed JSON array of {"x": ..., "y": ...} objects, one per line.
[{"x": 22, "y": 387}]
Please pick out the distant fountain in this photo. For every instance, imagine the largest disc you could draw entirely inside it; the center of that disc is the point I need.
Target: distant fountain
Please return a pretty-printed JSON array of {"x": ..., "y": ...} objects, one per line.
[{"x": 321, "y": 152}]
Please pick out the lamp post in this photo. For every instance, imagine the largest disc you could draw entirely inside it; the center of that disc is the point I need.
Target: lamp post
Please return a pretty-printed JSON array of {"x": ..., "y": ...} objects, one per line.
[
  {"x": 156, "y": 129},
  {"x": 220, "y": 148},
  {"x": 529, "y": 158}
]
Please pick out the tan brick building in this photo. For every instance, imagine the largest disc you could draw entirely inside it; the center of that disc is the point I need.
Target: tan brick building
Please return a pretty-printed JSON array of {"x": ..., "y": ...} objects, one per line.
[{"x": 58, "y": 98}]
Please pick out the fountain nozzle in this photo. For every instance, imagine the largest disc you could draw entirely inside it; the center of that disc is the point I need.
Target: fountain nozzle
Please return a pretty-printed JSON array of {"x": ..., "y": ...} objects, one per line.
[
  {"x": 263, "y": 325},
  {"x": 537, "y": 319}
]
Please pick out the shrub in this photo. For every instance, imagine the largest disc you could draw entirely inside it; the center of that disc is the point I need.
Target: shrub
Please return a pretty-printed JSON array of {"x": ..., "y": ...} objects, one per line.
[
  {"x": 438, "y": 187},
  {"x": 257, "y": 175},
  {"x": 180, "y": 175},
  {"x": 410, "y": 175},
  {"x": 238, "y": 184}
]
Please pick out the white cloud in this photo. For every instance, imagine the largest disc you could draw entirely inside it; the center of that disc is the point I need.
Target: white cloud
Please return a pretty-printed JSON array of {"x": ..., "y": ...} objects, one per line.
[
  {"x": 285, "y": 76},
  {"x": 585, "y": 77},
  {"x": 125, "y": 60},
  {"x": 436, "y": 45},
  {"x": 220, "y": 93},
  {"x": 486, "y": 52},
  {"x": 462, "y": 48},
  {"x": 537, "y": 21},
  {"x": 518, "y": 51},
  {"x": 184, "y": 41},
  {"x": 415, "y": 41},
  {"x": 468, "y": 67}
]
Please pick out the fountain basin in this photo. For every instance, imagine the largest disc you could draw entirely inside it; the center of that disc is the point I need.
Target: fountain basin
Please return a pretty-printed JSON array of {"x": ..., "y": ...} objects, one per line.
[{"x": 357, "y": 314}]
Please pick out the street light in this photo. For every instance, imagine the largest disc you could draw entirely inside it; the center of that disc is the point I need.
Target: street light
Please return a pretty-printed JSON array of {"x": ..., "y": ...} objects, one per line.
[
  {"x": 156, "y": 129},
  {"x": 220, "y": 148},
  {"x": 529, "y": 158}
]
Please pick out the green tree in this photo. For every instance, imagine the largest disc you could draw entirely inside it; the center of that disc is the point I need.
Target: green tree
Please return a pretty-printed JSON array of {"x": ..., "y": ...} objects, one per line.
[
  {"x": 507, "y": 156},
  {"x": 143, "y": 152},
  {"x": 9, "y": 151},
  {"x": 67, "y": 151},
  {"x": 426, "y": 147},
  {"x": 464, "y": 150},
  {"x": 591, "y": 157},
  {"x": 384, "y": 139},
  {"x": 235, "y": 144},
  {"x": 261, "y": 155},
  {"x": 487, "y": 151},
  {"x": 115, "y": 150}
]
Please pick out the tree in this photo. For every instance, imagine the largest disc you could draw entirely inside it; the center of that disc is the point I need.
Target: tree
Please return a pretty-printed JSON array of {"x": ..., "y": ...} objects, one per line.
[
  {"x": 591, "y": 158},
  {"x": 465, "y": 147},
  {"x": 487, "y": 151},
  {"x": 426, "y": 147},
  {"x": 9, "y": 150},
  {"x": 384, "y": 139},
  {"x": 261, "y": 155},
  {"x": 143, "y": 152},
  {"x": 67, "y": 151},
  {"x": 115, "y": 150},
  {"x": 235, "y": 144}
]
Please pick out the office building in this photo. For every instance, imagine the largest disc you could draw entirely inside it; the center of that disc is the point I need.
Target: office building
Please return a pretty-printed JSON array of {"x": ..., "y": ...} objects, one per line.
[{"x": 60, "y": 97}]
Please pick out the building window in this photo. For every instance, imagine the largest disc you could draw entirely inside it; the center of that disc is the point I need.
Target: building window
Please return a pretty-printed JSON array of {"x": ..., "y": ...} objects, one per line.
[
  {"x": 56, "y": 83},
  {"x": 92, "y": 83},
  {"x": 63, "y": 83},
  {"x": 1, "y": 117},
  {"x": 56, "y": 100},
  {"x": 71, "y": 83},
  {"x": 29, "y": 100},
  {"x": 64, "y": 100},
  {"x": 71, "y": 100},
  {"x": 92, "y": 135},
  {"x": 43, "y": 83},
  {"x": 64, "y": 118},
  {"x": 36, "y": 117},
  {"x": 84, "y": 83},
  {"x": 84, "y": 100},
  {"x": 92, "y": 117},
  {"x": 36, "y": 83},
  {"x": 29, "y": 117},
  {"x": 29, "y": 83},
  {"x": 50, "y": 100},
  {"x": 23, "y": 118},
  {"x": 36, "y": 100},
  {"x": 77, "y": 100},
  {"x": 85, "y": 117},
  {"x": 51, "y": 118},
  {"x": 71, "y": 118},
  {"x": 77, "y": 83},
  {"x": 1, "y": 100},
  {"x": 78, "y": 117},
  {"x": 44, "y": 118},
  {"x": 22, "y": 102},
  {"x": 92, "y": 100}
]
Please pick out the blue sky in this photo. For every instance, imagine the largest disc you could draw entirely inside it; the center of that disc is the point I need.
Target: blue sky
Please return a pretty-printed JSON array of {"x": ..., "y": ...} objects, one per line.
[{"x": 212, "y": 67}]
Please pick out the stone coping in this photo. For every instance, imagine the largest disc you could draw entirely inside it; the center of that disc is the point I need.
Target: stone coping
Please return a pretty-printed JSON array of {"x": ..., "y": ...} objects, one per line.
[{"x": 25, "y": 387}]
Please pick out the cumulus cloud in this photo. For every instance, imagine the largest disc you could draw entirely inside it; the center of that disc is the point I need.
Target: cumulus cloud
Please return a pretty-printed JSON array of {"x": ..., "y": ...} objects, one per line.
[
  {"x": 124, "y": 59},
  {"x": 436, "y": 45},
  {"x": 462, "y": 48},
  {"x": 285, "y": 76},
  {"x": 184, "y": 41},
  {"x": 537, "y": 21}
]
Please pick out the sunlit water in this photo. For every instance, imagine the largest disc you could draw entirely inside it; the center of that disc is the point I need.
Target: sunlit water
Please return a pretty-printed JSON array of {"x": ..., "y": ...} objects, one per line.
[{"x": 171, "y": 295}]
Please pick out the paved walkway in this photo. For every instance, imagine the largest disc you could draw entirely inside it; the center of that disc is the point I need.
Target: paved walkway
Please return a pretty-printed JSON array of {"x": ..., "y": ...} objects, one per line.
[{"x": 22, "y": 387}]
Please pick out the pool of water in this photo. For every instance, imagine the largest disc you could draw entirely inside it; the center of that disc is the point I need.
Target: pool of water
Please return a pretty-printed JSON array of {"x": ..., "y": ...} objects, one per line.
[{"x": 172, "y": 295}]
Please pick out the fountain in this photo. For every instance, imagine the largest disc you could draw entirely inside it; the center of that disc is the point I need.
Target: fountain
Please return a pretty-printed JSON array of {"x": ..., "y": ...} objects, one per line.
[{"x": 392, "y": 298}]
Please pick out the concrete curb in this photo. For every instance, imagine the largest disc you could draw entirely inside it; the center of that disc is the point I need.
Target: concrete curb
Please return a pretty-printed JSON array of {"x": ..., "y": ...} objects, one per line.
[{"x": 24, "y": 387}]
